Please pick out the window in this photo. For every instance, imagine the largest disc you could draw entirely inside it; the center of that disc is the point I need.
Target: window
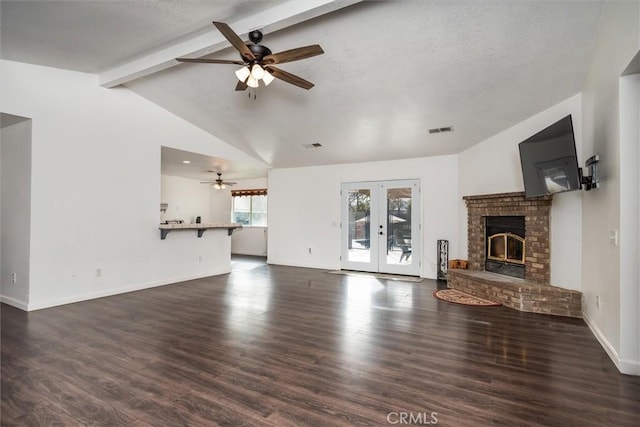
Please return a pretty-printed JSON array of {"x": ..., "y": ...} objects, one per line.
[{"x": 249, "y": 207}]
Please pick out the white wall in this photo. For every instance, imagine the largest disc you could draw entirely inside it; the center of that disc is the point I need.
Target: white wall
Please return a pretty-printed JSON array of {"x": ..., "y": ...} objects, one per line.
[
  {"x": 617, "y": 43},
  {"x": 95, "y": 191},
  {"x": 304, "y": 208},
  {"x": 187, "y": 199},
  {"x": 2, "y": 273},
  {"x": 220, "y": 204},
  {"x": 249, "y": 241},
  {"x": 493, "y": 166},
  {"x": 630, "y": 223},
  {"x": 15, "y": 159}
]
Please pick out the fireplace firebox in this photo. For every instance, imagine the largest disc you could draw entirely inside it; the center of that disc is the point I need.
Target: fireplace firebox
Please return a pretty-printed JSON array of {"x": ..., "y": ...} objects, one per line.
[{"x": 505, "y": 245}]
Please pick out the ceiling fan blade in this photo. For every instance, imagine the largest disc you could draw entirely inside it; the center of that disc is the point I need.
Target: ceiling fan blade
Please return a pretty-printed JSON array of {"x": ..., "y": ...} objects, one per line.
[
  {"x": 234, "y": 39},
  {"x": 210, "y": 61},
  {"x": 293, "y": 54},
  {"x": 229, "y": 183},
  {"x": 207, "y": 182},
  {"x": 241, "y": 86},
  {"x": 289, "y": 78}
]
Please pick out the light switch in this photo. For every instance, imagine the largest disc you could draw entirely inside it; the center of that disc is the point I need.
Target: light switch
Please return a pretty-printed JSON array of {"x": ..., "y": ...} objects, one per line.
[{"x": 613, "y": 237}]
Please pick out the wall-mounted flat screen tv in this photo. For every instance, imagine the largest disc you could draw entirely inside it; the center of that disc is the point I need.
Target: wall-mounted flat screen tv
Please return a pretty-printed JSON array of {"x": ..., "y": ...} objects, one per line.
[{"x": 549, "y": 161}]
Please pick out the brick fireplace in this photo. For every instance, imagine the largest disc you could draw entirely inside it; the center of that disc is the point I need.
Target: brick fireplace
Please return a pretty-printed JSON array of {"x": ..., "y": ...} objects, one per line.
[
  {"x": 530, "y": 291},
  {"x": 536, "y": 230}
]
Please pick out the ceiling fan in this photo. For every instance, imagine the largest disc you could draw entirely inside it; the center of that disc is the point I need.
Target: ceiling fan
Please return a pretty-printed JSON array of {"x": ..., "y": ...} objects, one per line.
[
  {"x": 257, "y": 60},
  {"x": 218, "y": 184}
]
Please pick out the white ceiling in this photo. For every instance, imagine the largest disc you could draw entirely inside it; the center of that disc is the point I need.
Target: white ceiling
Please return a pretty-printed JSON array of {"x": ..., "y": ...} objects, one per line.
[
  {"x": 204, "y": 168},
  {"x": 92, "y": 36},
  {"x": 391, "y": 69}
]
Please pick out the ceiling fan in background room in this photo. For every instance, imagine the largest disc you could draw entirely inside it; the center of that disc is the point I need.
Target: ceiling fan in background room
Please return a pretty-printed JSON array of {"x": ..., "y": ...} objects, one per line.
[
  {"x": 218, "y": 184},
  {"x": 257, "y": 60}
]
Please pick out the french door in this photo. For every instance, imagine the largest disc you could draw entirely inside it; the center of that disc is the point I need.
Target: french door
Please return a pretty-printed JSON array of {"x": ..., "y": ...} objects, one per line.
[{"x": 380, "y": 227}]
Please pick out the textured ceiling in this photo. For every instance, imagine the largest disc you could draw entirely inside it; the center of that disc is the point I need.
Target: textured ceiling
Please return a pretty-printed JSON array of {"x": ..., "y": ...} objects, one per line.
[
  {"x": 94, "y": 35},
  {"x": 391, "y": 71}
]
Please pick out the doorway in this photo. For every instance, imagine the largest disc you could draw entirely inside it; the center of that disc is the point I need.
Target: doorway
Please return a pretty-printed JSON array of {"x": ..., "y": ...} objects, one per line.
[{"x": 381, "y": 227}]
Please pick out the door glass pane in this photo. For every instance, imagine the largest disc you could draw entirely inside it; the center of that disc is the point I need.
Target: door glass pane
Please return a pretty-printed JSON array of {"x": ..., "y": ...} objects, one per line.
[
  {"x": 359, "y": 239},
  {"x": 399, "y": 226}
]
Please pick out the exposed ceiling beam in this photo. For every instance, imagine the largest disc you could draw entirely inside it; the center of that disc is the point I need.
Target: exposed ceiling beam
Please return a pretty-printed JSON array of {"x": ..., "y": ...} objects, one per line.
[{"x": 274, "y": 19}]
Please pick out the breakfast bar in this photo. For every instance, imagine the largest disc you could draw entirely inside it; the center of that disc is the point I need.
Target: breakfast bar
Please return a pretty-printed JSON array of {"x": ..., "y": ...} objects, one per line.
[{"x": 199, "y": 228}]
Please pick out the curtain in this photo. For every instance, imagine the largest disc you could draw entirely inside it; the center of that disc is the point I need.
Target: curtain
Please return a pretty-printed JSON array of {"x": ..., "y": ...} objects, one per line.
[{"x": 240, "y": 193}]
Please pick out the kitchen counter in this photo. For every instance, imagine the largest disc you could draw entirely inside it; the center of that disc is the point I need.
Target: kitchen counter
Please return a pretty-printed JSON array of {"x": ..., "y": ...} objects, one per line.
[{"x": 200, "y": 228}]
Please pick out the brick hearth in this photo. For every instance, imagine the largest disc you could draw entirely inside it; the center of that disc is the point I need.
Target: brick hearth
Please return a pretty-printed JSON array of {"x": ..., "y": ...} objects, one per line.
[
  {"x": 517, "y": 293},
  {"x": 534, "y": 293}
]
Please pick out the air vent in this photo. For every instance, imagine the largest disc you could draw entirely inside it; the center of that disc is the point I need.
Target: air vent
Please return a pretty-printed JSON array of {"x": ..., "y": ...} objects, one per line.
[
  {"x": 314, "y": 145},
  {"x": 440, "y": 130}
]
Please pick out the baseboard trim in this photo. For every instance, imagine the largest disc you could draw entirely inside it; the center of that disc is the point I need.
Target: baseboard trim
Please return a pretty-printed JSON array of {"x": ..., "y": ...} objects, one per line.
[
  {"x": 271, "y": 261},
  {"x": 249, "y": 254},
  {"x": 628, "y": 367},
  {"x": 111, "y": 292},
  {"x": 14, "y": 302}
]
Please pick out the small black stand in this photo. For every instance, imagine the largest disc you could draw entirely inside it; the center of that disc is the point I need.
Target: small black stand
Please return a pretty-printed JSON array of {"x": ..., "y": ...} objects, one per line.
[{"x": 443, "y": 259}]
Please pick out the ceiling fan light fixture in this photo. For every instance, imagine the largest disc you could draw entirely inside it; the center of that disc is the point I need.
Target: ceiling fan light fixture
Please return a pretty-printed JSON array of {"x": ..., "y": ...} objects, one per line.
[
  {"x": 254, "y": 55},
  {"x": 267, "y": 78},
  {"x": 243, "y": 73},
  {"x": 257, "y": 72},
  {"x": 252, "y": 82}
]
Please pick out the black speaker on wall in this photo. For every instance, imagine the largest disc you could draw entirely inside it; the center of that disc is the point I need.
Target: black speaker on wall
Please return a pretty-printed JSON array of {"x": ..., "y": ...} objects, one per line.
[{"x": 443, "y": 259}]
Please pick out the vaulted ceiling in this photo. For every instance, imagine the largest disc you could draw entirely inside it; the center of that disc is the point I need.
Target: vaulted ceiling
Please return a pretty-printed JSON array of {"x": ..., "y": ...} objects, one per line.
[{"x": 391, "y": 71}]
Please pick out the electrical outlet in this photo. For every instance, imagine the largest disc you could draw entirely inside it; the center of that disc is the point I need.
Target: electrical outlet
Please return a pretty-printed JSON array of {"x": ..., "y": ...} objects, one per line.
[
  {"x": 309, "y": 250},
  {"x": 613, "y": 237},
  {"x": 14, "y": 278},
  {"x": 98, "y": 272},
  {"x": 598, "y": 301}
]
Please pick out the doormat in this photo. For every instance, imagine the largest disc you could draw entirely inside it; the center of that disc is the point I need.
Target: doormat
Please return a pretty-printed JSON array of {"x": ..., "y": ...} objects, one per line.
[
  {"x": 377, "y": 275},
  {"x": 457, "y": 297}
]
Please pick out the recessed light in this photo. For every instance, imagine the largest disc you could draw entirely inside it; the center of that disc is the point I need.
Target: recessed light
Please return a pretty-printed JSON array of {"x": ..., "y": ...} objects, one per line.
[{"x": 186, "y": 162}]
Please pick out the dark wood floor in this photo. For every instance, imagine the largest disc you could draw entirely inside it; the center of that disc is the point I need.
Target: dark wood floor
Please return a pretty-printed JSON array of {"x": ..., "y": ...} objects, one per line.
[{"x": 278, "y": 346}]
